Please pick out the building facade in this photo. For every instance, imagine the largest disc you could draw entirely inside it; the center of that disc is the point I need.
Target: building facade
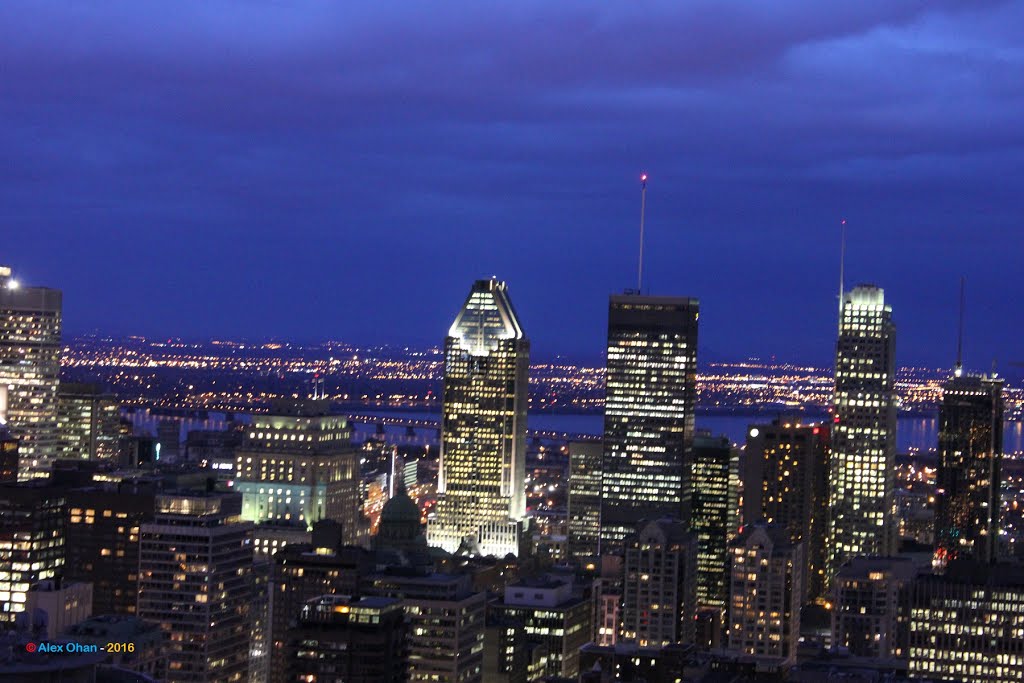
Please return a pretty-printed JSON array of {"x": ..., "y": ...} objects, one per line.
[
  {"x": 862, "y": 471},
  {"x": 650, "y": 393},
  {"x": 195, "y": 581},
  {"x": 104, "y": 525},
  {"x": 546, "y": 613},
  {"x": 446, "y": 621},
  {"x": 766, "y": 593},
  {"x": 967, "y": 625},
  {"x": 297, "y": 465},
  {"x": 786, "y": 482},
  {"x": 659, "y": 591},
  {"x": 481, "y": 503},
  {"x": 355, "y": 640},
  {"x": 584, "y": 527},
  {"x": 30, "y": 333},
  {"x": 870, "y": 611},
  {"x": 714, "y": 503},
  {"x": 32, "y": 536},
  {"x": 89, "y": 422},
  {"x": 968, "y": 480}
]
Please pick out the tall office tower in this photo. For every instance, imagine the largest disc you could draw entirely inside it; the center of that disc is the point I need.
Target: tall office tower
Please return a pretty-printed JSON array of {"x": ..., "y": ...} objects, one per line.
[
  {"x": 355, "y": 640},
  {"x": 870, "y": 612},
  {"x": 32, "y": 534},
  {"x": 965, "y": 625},
  {"x": 446, "y": 623},
  {"x": 30, "y": 325},
  {"x": 659, "y": 592},
  {"x": 8, "y": 455},
  {"x": 713, "y": 505},
  {"x": 303, "y": 572},
  {"x": 786, "y": 482},
  {"x": 104, "y": 522},
  {"x": 766, "y": 593},
  {"x": 862, "y": 476},
  {"x": 584, "y": 499},
  {"x": 89, "y": 421},
  {"x": 552, "y": 616},
  {"x": 481, "y": 487},
  {"x": 967, "y": 486},
  {"x": 648, "y": 415},
  {"x": 195, "y": 566},
  {"x": 296, "y": 465}
]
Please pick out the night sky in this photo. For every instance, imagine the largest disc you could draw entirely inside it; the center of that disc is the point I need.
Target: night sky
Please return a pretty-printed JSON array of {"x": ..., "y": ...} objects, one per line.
[{"x": 341, "y": 170}]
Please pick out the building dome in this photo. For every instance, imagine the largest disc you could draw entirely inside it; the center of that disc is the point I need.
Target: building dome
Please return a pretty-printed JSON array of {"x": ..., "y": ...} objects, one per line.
[{"x": 400, "y": 508}]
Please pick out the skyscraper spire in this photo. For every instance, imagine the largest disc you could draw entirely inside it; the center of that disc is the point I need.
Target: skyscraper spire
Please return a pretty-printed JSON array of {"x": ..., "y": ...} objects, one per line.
[
  {"x": 842, "y": 267},
  {"x": 643, "y": 207},
  {"x": 959, "y": 369}
]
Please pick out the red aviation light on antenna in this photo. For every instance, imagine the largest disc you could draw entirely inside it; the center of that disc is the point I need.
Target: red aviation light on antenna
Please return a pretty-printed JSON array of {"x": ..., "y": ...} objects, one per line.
[{"x": 643, "y": 177}]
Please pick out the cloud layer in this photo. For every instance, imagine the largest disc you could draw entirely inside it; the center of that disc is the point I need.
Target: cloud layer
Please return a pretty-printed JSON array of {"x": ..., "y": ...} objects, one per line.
[{"x": 326, "y": 170}]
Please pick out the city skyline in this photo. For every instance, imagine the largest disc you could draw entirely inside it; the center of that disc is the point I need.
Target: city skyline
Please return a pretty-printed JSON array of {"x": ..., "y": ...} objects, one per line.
[{"x": 352, "y": 141}]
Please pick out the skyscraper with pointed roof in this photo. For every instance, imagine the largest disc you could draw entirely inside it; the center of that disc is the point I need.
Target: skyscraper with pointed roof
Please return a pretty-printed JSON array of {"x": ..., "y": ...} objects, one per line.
[{"x": 481, "y": 485}]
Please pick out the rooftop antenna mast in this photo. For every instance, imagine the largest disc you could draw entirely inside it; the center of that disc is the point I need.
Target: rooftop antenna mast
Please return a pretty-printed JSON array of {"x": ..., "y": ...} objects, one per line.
[
  {"x": 842, "y": 268},
  {"x": 643, "y": 206},
  {"x": 959, "y": 369}
]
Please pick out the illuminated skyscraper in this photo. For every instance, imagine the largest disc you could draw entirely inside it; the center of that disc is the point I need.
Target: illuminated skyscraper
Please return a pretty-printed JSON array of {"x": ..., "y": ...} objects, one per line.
[
  {"x": 584, "y": 499},
  {"x": 195, "y": 581},
  {"x": 862, "y": 471},
  {"x": 89, "y": 422},
  {"x": 786, "y": 483},
  {"x": 968, "y": 480},
  {"x": 714, "y": 500},
  {"x": 32, "y": 535},
  {"x": 30, "y": 325},
  {"x": 648, "y": 416},
  {"x": 481, "y": 487}
]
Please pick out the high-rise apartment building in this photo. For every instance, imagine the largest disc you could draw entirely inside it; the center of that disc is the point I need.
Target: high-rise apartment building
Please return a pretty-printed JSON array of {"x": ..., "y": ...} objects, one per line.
[
  {"x": 967, "y": 625},
  {"x": 786, "y": 482},
  {"x": 870, "y": 611},
  {"x": 714, "y": 503},
  {"x": 659, "y": 586},
  {"x": 650, "y": 394},
  {"x": 862, "y": 476},
  {"x": 296, "y": 465},
  {"x": 32, "y": 535},
  {"x": 104, "y": 524},
  {"x": 302, "y": 572},
  {"x": 446, "y": 623},
  {"x": 30, "y": 329},
  {"x": 552, "y": 616},
  {"x": 482, "y": 482},
  {"x": 766, "y": 593},
  {"x": 584, "y": 499},
  {"x": 968, "y": 481},
  {"x": 355, "y": 640},
  {"x": 89, "y": 421},
  {"x": 195, "y": 581}
]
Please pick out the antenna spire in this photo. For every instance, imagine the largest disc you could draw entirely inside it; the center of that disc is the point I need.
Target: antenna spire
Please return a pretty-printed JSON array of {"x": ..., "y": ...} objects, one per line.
[
  {"x": 959, "y": 369},
  {"x": 643, "y": 207},
  {"x": 842, "y": 267}
]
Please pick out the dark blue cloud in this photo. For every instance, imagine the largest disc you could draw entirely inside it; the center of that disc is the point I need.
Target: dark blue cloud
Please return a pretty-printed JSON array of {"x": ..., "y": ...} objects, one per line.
[{"x": 345, "y": 171}]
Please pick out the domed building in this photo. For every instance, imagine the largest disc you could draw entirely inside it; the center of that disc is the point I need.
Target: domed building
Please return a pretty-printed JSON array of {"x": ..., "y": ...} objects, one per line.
[{"x": 400, "y": 527}]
